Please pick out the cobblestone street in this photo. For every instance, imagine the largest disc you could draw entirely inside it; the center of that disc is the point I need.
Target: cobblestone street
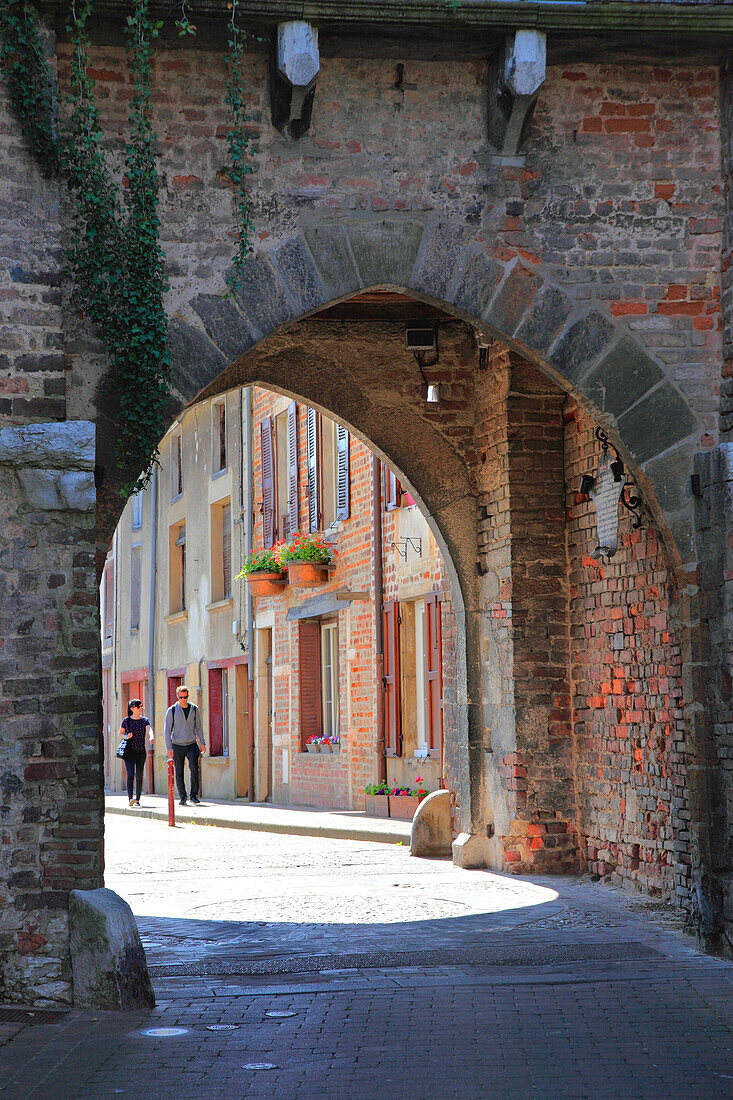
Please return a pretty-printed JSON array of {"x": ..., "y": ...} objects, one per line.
[{"x": 304, "y": 967}]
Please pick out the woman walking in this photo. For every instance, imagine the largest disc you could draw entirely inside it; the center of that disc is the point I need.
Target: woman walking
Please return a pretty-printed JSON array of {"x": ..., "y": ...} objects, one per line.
[{"x": 133, "y": 730}]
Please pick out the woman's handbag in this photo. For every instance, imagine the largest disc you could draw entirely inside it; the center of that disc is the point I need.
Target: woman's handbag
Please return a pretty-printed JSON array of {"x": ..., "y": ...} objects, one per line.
[{"x": 121, "y": 748}]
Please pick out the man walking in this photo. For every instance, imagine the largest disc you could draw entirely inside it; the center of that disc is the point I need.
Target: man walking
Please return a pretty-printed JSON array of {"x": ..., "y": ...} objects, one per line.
[{"x": 184, "y": 739}]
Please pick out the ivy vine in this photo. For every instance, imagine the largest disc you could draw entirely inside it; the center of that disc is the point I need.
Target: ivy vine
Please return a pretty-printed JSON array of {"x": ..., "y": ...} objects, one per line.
[{"x": 115, "y": 257}]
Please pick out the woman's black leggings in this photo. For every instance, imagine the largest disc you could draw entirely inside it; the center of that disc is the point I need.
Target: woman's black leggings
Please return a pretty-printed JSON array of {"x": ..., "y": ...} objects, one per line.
[{"x": 135, "y": 764}]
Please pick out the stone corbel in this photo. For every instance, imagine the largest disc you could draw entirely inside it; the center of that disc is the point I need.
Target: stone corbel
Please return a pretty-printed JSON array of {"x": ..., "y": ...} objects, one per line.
[
  {"x": 516, "y": 74},
  {"x": 294, "y": 74}
]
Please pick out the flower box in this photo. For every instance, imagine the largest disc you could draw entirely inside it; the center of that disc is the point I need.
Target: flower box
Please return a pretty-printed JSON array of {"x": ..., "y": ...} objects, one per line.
[
  {"x": 403, "y": 806},
  {"x": 267, "y": 584},
  {"x": 308, "y": 574},
  {"x": 312, "y": 747},
  {"x": 376, "y": 805}
]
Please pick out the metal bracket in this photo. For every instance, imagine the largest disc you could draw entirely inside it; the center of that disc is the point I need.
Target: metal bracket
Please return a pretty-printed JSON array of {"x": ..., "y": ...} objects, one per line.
[{"x": 405, "y": 544}]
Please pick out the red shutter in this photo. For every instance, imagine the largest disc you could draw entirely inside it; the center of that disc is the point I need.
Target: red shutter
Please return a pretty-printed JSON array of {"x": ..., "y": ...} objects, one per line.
[
  {"x": 268, "y": 482},
  {"x": 309, "y": 673},
  {"x": 314, "y": 512},
  {"x": 434, "y": 672},
  {"x": 216, "y": 713},
  {"x": 342, "y": 473},
  {"x": 392, "y": 490},
  {"x": 392, "y": 716},
  {"x": 293, "y": 512}
]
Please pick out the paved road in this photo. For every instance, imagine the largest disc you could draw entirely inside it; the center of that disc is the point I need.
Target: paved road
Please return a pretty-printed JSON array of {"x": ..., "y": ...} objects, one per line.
[{"x": 397, "y": 977}]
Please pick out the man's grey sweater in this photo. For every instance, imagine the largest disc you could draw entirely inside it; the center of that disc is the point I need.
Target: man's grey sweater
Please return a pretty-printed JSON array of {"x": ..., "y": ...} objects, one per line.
[{"x": 180, "y": 730}]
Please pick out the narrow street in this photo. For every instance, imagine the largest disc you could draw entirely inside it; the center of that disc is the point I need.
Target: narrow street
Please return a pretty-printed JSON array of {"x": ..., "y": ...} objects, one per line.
[{"x": 301, "y": 967}]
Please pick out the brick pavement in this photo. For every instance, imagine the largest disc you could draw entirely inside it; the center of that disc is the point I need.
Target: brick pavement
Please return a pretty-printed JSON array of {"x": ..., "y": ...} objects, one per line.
[{"x": 591, "y": 994}]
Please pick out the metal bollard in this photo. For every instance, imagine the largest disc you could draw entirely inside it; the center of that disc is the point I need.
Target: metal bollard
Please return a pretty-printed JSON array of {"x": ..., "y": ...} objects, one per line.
[{"x": 171, "y": 796}]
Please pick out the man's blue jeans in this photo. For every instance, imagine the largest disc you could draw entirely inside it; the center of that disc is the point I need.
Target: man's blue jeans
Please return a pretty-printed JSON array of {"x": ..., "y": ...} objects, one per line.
[{"x": 191, "y": 753}]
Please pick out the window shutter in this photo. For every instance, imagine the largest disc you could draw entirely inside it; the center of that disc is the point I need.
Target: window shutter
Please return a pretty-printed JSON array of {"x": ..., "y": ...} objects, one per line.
[
  {"x": 312, "y": 446},
  {"x": 268, "y": 483},
  {"x": 216, "y": 724},
  {"x": 226, "y": 550},
  {"x": 174, "y": 682},
  {"x": 293, "y": 512},
  {"x": 342, "y": 479},
  {"x": 392, "y": 490},
  {"x": 434, "y": 672},
  {"x": 392, "y": 723},
  {"x": 309, "y": 673},
  {"x": 135, "y": 584}
]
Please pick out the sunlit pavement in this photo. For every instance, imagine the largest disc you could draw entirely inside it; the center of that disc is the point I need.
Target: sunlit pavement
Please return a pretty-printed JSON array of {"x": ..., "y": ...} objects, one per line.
[{"x": 336, "y": 968}]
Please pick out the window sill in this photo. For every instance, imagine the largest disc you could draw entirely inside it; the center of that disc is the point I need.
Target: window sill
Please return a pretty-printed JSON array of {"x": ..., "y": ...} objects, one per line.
[
  {"x": 177, "y": 617},
  {"x": 177, "y": 497},
  {"x": 220, "y": 761},
  {"x": 219, "y": 473},
  {"x": 221, "y": 605},
  {"x": 134, "y": 631}
]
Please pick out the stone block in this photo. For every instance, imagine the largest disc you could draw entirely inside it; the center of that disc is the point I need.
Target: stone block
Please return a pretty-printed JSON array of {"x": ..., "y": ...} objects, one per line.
[
  {"x": 67, "y": 446},
  {"x": 431, "y": 828},
  {"x": 545, "y": 318},
  {"x": 261, "y": 297},
  {"x": 439, "y": 259},
  {"x": 670, "y": 475},
  {"x": 475, "y": 284},
  {"x": 470, "y": 851},
  {"x": 108, "y": 961},
  {"x": 195, "y": 361},
  {"x": 512, "y": 300},
  {"x": 298, "y": 273},
  {"x": 385, "y": 251},
  {"x": 622, "y": 377},
  {"x": 656, "y": 423},
  {"x": 330, "y": 249},
  {"x": 580, "y": 345},
  {"x": 58, "y": 490},
  {"x": 224, "y": 324}
]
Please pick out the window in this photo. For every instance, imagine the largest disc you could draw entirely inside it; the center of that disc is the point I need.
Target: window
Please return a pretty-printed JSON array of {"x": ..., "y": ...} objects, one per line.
[
  {"x": 413, "y": 686},
  {"x": 279, "y": 458},
  {"x": 421, "y": 701},
  {"x": 330, "y": 679},
  {"x": 282, "y": 518},
  {"x": 218, "y": 713},
  {"x": 392, "y": 490},
  {"x": 136, "y": 505},
  {"x": 219, "y": 436},
  {"x": 135, "y": 585},
  {"x": 176, "y": 466},
  {"x": 221, "y": 550},
  {"x": 109, "y": 603},
  {"x": 318, "y": 676},
  {"x": 177, "y": 568},
  {"x": 327, "y": 447},
  {"x": 267, "y": 472}
]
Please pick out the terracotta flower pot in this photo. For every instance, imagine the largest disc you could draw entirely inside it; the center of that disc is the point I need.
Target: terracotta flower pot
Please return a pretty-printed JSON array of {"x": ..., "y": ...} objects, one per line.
[
  {"x": 403, "y": 806},
  {"x": 267, "y": 584},
  {"x": 308, "y": 574},
  {"x": 376, "y": 805}
]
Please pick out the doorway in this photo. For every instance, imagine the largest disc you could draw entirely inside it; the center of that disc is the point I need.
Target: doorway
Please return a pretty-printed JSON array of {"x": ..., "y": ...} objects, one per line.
[
  {"x": 245, "y": 746},
  {"x": 263, "y": 786}
]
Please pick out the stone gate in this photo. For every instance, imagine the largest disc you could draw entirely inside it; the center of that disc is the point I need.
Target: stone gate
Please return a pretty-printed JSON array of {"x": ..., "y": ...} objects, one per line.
[{"x": 571, "y": 241}]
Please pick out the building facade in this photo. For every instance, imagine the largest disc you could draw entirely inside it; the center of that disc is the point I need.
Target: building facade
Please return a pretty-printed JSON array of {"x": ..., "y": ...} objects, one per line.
[{"x": 358, "y": 660}]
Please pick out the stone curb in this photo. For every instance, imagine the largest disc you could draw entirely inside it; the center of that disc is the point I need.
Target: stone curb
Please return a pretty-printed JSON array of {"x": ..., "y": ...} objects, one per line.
[{"x": 333, "y": 832}]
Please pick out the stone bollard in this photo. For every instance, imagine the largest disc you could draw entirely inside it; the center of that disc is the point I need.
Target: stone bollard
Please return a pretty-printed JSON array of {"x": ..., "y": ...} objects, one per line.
[
  {"x": 431, "y": 829},
  {"x": 108, "y": 961}
]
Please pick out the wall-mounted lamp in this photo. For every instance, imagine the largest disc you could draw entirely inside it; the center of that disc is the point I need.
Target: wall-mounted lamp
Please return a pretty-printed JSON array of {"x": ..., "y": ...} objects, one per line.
[
  {"x": 420, "y": 341},
  {"x": 605, "y": 488}
]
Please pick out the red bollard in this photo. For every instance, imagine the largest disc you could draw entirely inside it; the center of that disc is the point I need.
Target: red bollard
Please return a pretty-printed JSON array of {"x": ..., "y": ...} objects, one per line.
[{"x": 171, "y": 797}]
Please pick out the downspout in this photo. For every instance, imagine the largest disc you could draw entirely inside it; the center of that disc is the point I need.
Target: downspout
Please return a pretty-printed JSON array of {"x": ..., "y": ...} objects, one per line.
[
  {"x": 378, "y": 614},
  {"x": 151, "y": 612},
  {"x": 248, "y": 508}
]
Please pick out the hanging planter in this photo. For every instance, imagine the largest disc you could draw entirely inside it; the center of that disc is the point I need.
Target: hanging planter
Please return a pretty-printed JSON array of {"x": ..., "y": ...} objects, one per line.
[
  {"x": 308, "y": 574},
  {"x": 267, "y": 584}
]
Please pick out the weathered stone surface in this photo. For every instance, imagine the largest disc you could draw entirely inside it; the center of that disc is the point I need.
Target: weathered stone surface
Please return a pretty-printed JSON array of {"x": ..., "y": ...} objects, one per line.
[
  {"x": 622, "y": 377},
  {"x": 470, "y": 850},
  {"x": 431, "y": 826},
  {"x": 670, "y": 475},
  {"x": 67, "y": 446},
  {"x": 439, "y": 258},
  {"x": 224, "y": 324},
  {"x": 195, "y": 361},
  {"x": 580, "y": 345},
  {"x": 512, "y": 299},
  {"x": 52, "y": 490},
  {"x": 545, "y": 318},
  {"x": 330, "y": 249},
  {"x": 298, "y": 273},
  {"x": 476, "y": 282},
  {"x": 107, "y": 958},
  {"x": 385, "y": 251},
  {"x": 659, "y": 421},
  {"x": 261, "y": 297}
]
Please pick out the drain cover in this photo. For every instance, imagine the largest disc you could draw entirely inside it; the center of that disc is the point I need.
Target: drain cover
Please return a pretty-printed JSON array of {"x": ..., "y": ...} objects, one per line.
[
  {"x": 276, "y": 1015},
  {"x": 28, "y": 1016},
  {"x": 164, "y": 1032},
  {"x": 259, "y": 1065},
  {"x": 222, "y": 1027}
]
